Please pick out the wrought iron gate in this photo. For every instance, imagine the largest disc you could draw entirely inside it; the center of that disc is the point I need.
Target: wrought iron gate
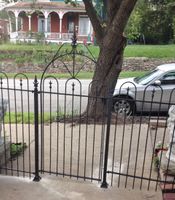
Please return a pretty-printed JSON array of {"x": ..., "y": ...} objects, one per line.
[{"x": 63, "y": 139}]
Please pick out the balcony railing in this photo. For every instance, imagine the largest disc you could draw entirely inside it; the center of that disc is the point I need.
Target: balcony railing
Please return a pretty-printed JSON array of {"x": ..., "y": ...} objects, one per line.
[
  {"x": 49, "y": 37},
  {"x": 35, "y": 35}
]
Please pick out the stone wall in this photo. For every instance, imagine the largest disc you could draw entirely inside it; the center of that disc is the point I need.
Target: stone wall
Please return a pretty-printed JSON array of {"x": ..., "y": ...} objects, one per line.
[
  {"x": 133, "y": 64},
  {"x": 129, "y": 64}
]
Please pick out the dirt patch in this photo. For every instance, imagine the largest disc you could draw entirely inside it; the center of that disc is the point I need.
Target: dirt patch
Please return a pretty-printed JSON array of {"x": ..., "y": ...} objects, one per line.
[{"x": 115, "y": 119}]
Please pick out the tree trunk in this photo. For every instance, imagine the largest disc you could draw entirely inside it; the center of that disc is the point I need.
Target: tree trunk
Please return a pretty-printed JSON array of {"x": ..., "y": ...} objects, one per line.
[
  {"x": 109, "y": 35},
  {"x": 107, "y": 70}
]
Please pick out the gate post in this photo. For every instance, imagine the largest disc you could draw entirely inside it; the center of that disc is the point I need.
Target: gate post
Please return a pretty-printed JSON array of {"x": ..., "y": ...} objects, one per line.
[
  {"x": 104, "y": 183},
  {"x": 37, "y": 178}
]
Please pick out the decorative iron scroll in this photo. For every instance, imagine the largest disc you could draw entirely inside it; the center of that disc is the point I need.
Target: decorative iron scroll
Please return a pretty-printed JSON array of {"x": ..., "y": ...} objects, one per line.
[{"x": 72, "y": 58}]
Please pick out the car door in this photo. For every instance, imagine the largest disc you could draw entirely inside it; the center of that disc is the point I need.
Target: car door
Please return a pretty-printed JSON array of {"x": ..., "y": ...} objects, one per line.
[
  {"x": 147, "y": 96},
  {"x": 165, "y": 92}
]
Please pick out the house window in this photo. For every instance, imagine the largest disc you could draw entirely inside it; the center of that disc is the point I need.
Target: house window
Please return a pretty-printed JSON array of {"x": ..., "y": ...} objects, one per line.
[
  {"x": 70, "y": 24},
  {"x": 84, "y": 25},
  {"x": 41, "y": 24},
  {"x": 49, "y": 24}
]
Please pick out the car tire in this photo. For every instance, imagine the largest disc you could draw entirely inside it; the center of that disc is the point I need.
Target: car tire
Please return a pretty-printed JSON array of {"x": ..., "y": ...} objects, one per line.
[{"x": 123, "y": 105}]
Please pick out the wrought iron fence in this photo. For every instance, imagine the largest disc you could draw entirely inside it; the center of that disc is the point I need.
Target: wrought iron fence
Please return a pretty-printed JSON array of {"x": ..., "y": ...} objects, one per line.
[
  {"x": 48, "y": 129},
  {"x": 62, "y": 138},
  {"x": 16, "y": 133}
]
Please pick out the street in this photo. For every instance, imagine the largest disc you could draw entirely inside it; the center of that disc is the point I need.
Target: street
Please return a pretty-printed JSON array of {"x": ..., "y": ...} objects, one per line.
[{"x": 20, "y": 95}]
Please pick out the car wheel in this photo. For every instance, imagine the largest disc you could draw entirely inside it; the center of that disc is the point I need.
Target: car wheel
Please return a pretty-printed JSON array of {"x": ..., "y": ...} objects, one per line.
[{"x": 123, "y": 105}]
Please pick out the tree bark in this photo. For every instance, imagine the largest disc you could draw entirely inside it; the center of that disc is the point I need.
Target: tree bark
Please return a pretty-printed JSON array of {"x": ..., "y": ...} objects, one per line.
[
  {"x": 109, "y": 35},
  {"x": 108, "y": 68}
]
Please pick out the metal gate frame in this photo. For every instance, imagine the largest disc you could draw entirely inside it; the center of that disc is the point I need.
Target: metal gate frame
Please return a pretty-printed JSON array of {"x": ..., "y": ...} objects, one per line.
[{"x": 105, "y": 148}]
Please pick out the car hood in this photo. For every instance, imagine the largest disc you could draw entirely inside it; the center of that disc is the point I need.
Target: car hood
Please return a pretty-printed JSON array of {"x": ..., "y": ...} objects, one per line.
[{"x": 125, "y": 83}]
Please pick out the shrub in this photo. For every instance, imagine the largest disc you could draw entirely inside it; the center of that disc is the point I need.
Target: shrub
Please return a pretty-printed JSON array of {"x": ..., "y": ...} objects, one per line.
[{"x": 17, "y": 148}]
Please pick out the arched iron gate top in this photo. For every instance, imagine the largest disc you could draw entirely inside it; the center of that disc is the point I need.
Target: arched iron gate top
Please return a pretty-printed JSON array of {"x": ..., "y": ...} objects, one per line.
[{"x": 74, "y": 52}]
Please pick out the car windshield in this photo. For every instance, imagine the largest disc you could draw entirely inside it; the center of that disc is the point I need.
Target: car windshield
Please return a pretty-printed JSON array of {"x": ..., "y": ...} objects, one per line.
[{"x": 148, "y": 77}]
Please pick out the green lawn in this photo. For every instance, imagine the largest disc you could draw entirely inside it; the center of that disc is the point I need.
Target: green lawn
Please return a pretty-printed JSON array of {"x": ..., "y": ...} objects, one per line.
[
  {"x": 81, "y": 75},
  {"x": 27, "y": 47},
  {"x": 26, "y": 117},
  {"x": 150, "y": 51},
  {"x": 29, "y": 117}
]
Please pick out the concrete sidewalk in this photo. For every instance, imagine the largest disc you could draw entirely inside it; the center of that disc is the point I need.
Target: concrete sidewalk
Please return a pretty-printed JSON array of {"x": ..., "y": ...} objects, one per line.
[{"x": 56, "y": 188}]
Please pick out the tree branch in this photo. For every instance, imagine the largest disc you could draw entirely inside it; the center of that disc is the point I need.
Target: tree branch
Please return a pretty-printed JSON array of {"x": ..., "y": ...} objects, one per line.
[
  {"x": 113, "y": 6},
  {"x": 95, "y": 20},
  {"x": 119, "y": 20}
]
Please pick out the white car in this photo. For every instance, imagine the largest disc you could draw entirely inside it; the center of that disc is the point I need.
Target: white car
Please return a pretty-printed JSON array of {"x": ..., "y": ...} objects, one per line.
[{"x": 153, "y": 92}]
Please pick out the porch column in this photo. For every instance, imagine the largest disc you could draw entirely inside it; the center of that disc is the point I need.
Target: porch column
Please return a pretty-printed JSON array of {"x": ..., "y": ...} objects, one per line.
[
  {"x": 61, "y": 22},
  {"x": 16, "y": 19},
  {"x": 61, "y": 14},
  {"x": 46, "y": 14},
  {"x": 45, "y": 20},
  {"x": 10, "y": 25},
  {"x": 30, "y": 27}
]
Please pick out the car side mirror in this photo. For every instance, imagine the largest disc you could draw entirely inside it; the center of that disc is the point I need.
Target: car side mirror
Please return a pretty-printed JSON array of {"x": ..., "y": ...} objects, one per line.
[{"x": 157, "y": 83}]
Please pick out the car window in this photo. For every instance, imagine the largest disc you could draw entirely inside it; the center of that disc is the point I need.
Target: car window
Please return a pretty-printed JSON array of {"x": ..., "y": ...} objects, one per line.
[
  {"x": 168, "y": 78},
  {"x": 147, "y": 78}
]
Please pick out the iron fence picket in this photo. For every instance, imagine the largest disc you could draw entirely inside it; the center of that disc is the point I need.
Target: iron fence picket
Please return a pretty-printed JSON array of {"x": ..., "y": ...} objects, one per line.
[
  {"x": 73, "y": 148},
  {"x": 77, "y": 150},
  {"x": 117, "y": 149},
  {"x": 36, "y": 124},
  {"x": 104, "y": 183},
  {"x": 149, "y": 178},
  {"x": 13, "y": 91}
]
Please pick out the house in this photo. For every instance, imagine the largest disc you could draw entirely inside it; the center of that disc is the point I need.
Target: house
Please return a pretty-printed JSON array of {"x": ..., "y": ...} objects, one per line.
[
  {"x": 53, "y": 19},
  {"x": 4, "y": 29}
]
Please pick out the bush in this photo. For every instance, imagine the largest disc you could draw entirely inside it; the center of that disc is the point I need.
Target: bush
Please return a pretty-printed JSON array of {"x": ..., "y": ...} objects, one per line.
[
  {"x": 22, "y": 59},
  {"x": 157, "y": 27},
  {"x": 39, "y": 37},
  {"x": 4, "y": 38},
  {"x": 17, "y": 148}
]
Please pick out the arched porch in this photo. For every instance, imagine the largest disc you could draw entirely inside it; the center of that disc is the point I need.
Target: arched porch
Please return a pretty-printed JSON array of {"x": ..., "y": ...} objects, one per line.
[{"x": 55, "y": 25}]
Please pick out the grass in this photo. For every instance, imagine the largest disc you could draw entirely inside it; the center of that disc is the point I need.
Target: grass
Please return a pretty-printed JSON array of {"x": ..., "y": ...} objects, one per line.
[
  {"x": 149, "y": 51},
  {"x": 26, "y": 118},
  {"x": 27, "y": 47},
  {"x": 81, "y": 75},
  {"x": 128, "y": 74},
  {"x": 29, "y": 118}
]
